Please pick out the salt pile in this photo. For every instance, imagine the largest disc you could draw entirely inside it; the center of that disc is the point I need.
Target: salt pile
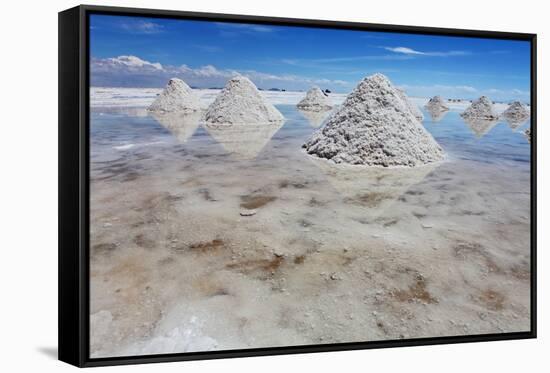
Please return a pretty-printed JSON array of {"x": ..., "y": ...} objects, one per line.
[
  {"x": 528, "y": 134},
  {"x": 412, "y": 107},
  {"x": 516, "y": 111},
  {"x": 176, "y": 97},
  {"x": 436, "y": 104},
  {"x": 241, "y": 102},
  {"x": 374, "y": 127},
  {"x": 515, "y": 115},
  {"x": 315, "y": 100},
  {"x": 482, "y": 108}
]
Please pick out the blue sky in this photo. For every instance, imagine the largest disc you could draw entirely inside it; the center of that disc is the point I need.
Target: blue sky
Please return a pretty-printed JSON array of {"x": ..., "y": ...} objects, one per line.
[{"x": 145, "y": 52}]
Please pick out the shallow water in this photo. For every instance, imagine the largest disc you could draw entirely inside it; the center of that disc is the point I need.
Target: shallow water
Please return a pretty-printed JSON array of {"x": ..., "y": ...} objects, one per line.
[{"x": 214, "y": 238}]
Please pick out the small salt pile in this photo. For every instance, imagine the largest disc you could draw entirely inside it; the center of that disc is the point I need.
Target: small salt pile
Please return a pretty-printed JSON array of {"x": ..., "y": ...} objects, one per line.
[
  {"x": 412, "y": 107},
  {"x": 482, "y": 108},
  {"x": 374, "y": 127},
  {"x": 315, "y": 100},
  {"x": 528, "y": 134},
  {"x": 176, "y": 97},
  {"x": 516, "y": 112},
  {"x": 240, "y": 102},
  {"x": 437, "y": 104}
]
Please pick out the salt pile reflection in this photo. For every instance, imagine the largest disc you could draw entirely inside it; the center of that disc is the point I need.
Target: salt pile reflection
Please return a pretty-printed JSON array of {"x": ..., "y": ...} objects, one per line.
[
  {"x": 373, "y": 188},
  {"x": 243, "y": 141},
  {"x": 181, "y": 125},
  {"x": 480, "y": 127}
]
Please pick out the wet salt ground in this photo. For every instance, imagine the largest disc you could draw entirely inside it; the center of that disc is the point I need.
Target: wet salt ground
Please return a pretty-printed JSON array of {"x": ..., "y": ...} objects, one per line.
[{"x": 329, "y": 254}]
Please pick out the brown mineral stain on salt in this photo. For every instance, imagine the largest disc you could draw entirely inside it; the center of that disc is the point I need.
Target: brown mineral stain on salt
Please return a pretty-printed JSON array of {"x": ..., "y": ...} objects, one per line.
[
  {"x": 492, "y": 299},
  {"x": 264, "y": 266},
  {"x": 416, "y": 292},
  {"x": 208, "y": 246},
  {"x": 252, "y": 202}
]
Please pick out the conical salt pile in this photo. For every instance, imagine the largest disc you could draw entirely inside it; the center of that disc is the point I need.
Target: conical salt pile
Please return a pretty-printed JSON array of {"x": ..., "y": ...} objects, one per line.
[
  {"x": 528, "y": 134},
  {"x": 240, "y": 102},
  {"x": 482, "y": 108},
  {"x": 176, "y": 97},
  {"x": 374, "y": 127},
  {"x": 412, "y": 107},
  {"x": 315, "y": 100},
  {"x": 516, "y": 111},
  {"x": 436, "y": 104}
]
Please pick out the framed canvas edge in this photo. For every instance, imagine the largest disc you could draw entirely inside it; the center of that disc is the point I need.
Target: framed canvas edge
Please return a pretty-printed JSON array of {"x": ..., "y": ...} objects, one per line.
[{"x": 78, "y": 328}]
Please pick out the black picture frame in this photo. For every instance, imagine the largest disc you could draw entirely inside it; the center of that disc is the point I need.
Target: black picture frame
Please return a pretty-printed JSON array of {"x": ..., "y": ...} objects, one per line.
[{"x": 73, "y": 250}]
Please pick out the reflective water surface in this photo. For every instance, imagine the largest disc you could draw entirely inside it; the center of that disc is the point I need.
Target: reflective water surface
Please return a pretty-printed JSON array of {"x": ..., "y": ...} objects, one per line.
[{"x": 223, "y": 237}]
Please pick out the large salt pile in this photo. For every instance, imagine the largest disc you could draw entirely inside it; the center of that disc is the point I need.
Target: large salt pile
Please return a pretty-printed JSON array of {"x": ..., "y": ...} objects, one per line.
[
  {"x": 176, "y": 97},
  {"x": 315, "y": 100},
  {"x": 240, "y": 102},
  {"x": 374, "y": 127},
  {"x": 412, "y": 107},
  {"x": 482, "y": 108},
  {"x": 437, "y": 103}
]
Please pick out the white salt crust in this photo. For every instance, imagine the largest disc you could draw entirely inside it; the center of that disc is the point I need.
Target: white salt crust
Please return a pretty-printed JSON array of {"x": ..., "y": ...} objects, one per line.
[
  {"x": 240, "y": 102},
  {"x": 177, "y": 96},
  {"x": 374, "y": 127},
  {"x": 315, "y": 100},
  {"x": 482, "y": 108}
]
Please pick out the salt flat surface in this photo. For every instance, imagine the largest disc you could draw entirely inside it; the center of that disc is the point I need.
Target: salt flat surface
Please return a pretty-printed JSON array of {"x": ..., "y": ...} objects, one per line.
[
  {"x": 188, "y": 222},
  {"x": 143, "y": 97}
]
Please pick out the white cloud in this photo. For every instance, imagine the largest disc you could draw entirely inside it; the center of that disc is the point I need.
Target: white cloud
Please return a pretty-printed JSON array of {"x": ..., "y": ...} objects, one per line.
[
  {"x": 323, "y": 62},
  {"x": 464, "y": 91},
  {"x": 403, "y": 50},
  {"x": 142, "y": 27},
  {"x": 133, "y": 62},
  {"x": 124, "y": 66},
  {"x": 132, "y": 71},
  {"x": 235, "y": 29},
  {"x": 412, "y": 52}
]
